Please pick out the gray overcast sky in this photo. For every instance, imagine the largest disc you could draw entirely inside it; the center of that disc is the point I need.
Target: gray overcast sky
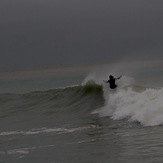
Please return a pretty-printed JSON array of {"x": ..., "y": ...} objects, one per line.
[{"x": 38, "y": 33}]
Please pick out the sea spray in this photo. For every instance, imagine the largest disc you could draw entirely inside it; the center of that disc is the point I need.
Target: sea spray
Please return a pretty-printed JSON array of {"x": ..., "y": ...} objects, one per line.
[
  {"x": 130, "y": 101},
  {"x": 135, "y": 104}
]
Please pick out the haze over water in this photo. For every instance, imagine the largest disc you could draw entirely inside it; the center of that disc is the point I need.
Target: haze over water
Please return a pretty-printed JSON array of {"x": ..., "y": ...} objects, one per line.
[{"x": 61, "y": 33}]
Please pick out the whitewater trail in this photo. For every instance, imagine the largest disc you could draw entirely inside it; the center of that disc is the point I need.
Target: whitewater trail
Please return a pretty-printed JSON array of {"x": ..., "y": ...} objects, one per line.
[{"x": 132, "y": 102}]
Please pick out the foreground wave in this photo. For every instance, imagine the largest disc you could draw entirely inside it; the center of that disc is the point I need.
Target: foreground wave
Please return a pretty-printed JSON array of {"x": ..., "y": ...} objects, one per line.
[
  {"x": 134, "y": 103},
  {"x": 62, "y": 94},
  {"x": 51, "y": 104}
]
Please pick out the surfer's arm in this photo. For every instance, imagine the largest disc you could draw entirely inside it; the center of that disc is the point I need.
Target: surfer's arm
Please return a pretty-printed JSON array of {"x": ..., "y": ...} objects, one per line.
[
  {"x": 105, "y": 81},
  {"x": 119, "y": 77}
]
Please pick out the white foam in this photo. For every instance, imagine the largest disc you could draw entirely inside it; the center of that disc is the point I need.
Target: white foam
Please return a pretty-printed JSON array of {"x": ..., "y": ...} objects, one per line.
[
  {"x": 45, "y": 130},
  {"x": 128, "y": 101},
  {"x": 145, "y": 106}
]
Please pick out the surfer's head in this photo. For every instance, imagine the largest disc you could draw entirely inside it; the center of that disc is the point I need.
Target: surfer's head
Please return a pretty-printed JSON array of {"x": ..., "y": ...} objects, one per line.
[{"x": 111, "y": 77}]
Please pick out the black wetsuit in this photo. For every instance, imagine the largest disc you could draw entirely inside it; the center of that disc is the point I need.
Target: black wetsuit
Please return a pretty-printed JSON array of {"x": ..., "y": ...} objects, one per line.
[{"x": 112, "y": 83}]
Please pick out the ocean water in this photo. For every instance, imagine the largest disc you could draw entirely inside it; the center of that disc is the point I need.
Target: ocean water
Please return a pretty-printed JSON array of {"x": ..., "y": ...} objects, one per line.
[{"x": 71, "y": 116}]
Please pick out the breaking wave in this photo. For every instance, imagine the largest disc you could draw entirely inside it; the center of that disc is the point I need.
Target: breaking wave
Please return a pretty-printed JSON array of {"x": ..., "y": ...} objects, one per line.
[
  {"x": 128, "y": 101},
  {"x": 135, "y": 103}
]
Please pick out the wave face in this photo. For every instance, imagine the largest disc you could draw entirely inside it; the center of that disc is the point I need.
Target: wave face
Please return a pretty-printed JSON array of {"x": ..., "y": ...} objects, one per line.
[
  {"x": 65, "y": 94},
  {"x": 38, "y": 107}
]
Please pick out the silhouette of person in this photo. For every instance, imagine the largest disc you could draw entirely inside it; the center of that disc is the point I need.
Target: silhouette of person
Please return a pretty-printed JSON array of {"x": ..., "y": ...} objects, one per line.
[{"x": 111, "y": 81}]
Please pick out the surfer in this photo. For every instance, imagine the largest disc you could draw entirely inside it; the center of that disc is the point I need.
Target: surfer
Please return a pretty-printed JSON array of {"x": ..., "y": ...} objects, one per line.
[{"x": 111, "y": 81}]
